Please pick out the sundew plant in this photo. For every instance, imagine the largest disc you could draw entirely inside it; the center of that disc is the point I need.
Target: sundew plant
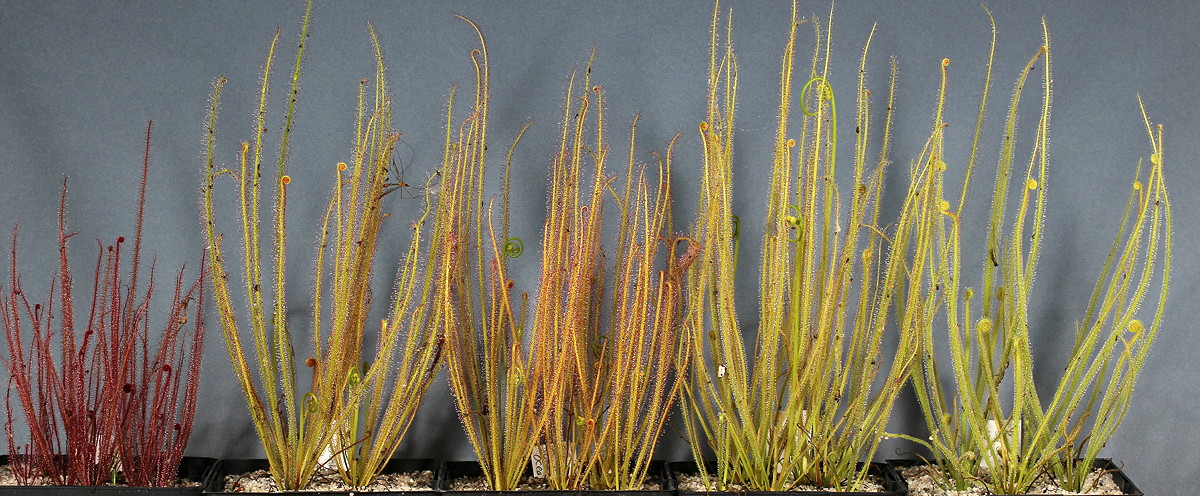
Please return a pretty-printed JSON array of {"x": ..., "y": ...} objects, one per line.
[
  {"x": 814, "y": 401},
  {"x": 615, "y": 377},
  {"x": 356, "y": 411},
  {"x": 494, "y": 371},
  {"x": 103, "y": 404},
  {"x": 990, "y": 422},
  {"x": 585, "y": 393}
]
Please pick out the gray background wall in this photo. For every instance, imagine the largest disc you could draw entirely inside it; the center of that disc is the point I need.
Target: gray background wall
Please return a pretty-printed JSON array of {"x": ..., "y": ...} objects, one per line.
[{"x": 79, "y": 79}]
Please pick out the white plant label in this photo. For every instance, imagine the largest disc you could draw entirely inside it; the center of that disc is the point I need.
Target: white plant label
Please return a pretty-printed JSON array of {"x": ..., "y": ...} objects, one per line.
[
  {"x": 993, "y": 432},
  {"x": 783, "y": 454},
  {"x": 536, "y": 461}
]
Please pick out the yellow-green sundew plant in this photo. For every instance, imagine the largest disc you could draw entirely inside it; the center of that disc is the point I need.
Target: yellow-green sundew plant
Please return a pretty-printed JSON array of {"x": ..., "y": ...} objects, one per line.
[
  {"x": 990, "y": 424},
  {"x": 495, "y": 374},
  {"x": 614, "y": 380},
  {"x": 354, "y": 415},
  {"x": 814, "y": 401},
  {"x": 409, "y": 343}
]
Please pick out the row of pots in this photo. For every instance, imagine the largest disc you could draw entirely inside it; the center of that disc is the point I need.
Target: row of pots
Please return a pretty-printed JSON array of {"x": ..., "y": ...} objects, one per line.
[{"x": 211, "y": 473}]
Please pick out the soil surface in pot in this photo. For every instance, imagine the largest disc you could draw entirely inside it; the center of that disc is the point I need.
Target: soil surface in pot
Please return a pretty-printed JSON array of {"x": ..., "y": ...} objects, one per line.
[
  {"x": 694, "y": 483},
  {"x": 260, "y": 481},
  {"x": 479, "y": 483},
  {"x": 922, "y": 481},
  {"x": 7, "y": 478}
]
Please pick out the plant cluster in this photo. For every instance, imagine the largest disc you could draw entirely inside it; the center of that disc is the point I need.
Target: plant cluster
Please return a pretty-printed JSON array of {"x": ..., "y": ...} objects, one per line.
[
  {"x": 102, "y": 403},
  {"x": 990, "y": 423},
  {"x": 616, "y": 378},
  {"x": 816, "y": 398},
  {"x": 583, "y": 385},
  {"x": 355, "y": 411},
  {"x": 585, "y": 393},
  {"x": 848, "y": 311},
  {"x": 493, "y": 373}
]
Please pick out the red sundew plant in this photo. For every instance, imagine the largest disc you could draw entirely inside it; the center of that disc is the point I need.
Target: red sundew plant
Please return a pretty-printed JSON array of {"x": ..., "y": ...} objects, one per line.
[{"x": 99, "y": 401}]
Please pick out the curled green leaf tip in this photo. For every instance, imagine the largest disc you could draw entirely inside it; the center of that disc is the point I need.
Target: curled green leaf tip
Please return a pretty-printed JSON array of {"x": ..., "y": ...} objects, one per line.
[{"x": 514, "y": 247}]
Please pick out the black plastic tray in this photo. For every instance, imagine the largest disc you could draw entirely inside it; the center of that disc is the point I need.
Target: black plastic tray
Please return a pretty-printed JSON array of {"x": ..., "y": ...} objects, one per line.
[
  {"x": 456, "y": 469},
  {"x": 216, "y": 484},
  {"x": 1122, "y": 481},
  {"x": 893, "y": 484},
  {"x": 195, "y": 468}
]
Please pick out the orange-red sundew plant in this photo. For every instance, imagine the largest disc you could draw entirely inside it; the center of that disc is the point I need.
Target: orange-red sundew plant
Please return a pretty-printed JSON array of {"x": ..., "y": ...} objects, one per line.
[
  {"x": 617, "y": 376},
  {"x": 588, "y": 395}
]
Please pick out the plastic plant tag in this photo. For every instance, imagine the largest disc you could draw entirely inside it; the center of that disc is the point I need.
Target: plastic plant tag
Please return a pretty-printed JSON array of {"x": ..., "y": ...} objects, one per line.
[
  {"x": 536, "y": 461},
  {"x": 993, "y": 432}
]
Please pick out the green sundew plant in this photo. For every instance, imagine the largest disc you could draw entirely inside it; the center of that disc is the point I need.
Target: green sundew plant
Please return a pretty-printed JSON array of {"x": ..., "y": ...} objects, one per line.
[
  {"x": 615, "y": 380},
  {"x": 357, "y": 413},
  {"x": 978, "y": 431},
  {"x": 494, "y": 373},
  {"x": 817, "y": 397}
]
